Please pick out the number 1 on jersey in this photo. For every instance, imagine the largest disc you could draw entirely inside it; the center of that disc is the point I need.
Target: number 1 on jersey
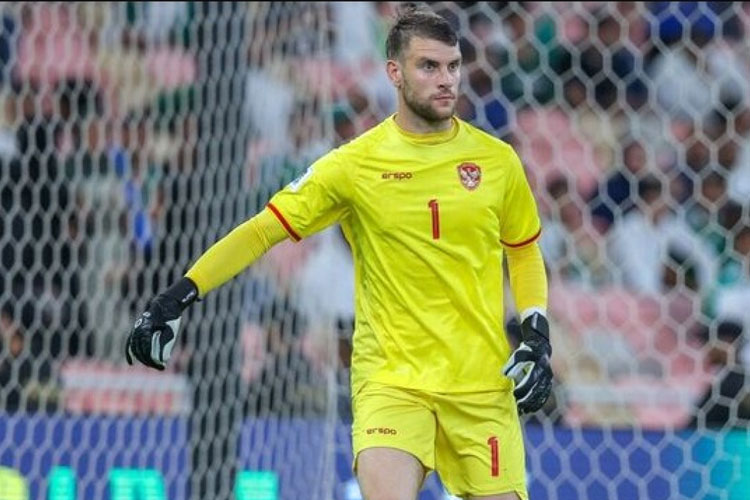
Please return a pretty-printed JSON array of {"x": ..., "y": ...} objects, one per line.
[{"x": 433, "y": 204}]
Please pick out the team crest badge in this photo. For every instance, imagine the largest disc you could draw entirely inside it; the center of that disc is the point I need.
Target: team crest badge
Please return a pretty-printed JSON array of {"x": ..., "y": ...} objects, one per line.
[{"x": 470, "y": 175}]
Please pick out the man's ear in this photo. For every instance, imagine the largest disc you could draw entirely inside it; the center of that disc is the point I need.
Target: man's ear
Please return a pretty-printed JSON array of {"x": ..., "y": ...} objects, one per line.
[{"x": 393, "y": 69}]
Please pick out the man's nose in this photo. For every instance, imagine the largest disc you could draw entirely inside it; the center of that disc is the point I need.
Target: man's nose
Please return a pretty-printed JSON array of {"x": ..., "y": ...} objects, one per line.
[{"x": 447, "y": 78}]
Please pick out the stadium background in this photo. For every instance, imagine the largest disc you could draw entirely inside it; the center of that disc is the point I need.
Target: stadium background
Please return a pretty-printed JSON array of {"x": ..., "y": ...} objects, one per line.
[{"x": 133, "y": 135}]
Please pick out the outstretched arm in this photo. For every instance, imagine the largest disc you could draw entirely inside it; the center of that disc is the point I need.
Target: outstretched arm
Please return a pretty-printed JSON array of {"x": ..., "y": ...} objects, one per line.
[
  {"x": 154, "y": 332},
  {"x": 236, "y": 251},
  {"x": 312, "y": 202}
]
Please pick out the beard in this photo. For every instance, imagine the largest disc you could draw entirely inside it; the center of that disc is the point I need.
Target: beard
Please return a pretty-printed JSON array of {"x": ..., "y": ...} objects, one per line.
[{"x": 424, "y": 108}]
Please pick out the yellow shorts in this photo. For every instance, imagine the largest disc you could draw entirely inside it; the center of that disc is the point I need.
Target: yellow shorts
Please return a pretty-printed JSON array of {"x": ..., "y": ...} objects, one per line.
[{"x": 472, "y": 440}]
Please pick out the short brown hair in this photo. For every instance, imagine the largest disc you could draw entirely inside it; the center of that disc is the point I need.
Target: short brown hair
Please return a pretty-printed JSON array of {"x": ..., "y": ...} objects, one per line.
[{"x": 413, "y": 20}]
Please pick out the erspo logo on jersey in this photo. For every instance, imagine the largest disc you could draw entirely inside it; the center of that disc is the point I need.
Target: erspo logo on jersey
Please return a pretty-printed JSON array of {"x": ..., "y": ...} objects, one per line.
[
  {"x": 396, "y": 176},
  {"x": 470, "y": 175}
]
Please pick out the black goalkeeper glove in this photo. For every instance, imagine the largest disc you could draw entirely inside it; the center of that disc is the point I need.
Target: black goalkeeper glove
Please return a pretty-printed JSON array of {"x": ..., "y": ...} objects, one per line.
[
  {"x": 154, "y": 333},
  {"x": 529, "y": 365}
]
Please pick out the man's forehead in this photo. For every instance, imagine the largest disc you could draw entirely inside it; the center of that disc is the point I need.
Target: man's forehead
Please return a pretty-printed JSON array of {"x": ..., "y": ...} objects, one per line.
[{"x": 432, "y": 49}]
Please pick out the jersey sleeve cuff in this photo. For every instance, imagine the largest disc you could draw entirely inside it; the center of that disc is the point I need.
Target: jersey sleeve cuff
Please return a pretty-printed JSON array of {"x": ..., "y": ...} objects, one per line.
[
  {"x": 524, "y": 242},
  {"x": 285, "y": 224},
  {"x": 531, "y": 310},
  {"x": 198, "y": 280}
]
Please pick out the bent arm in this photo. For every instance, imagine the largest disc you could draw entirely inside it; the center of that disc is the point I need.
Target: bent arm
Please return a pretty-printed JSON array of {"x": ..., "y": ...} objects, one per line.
[
  {"x": 528, "y": 279},
  {"x": 229, "y": 256}
]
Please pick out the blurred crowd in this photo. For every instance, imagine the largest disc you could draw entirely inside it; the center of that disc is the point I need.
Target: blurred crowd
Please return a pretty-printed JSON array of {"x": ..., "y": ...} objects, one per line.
[
  {"x": 632, "y": 120},
  {"x": 95, "y": 132}
]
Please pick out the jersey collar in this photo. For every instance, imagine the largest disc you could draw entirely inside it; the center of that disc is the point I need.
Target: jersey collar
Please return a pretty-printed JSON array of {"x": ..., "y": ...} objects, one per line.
[{"x": 429, "y": 138}]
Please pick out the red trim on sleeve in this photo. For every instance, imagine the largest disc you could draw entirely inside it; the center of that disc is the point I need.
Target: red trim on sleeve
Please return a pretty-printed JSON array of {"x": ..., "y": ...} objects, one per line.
[
  {"x": 287, "y": 226},
  {"x": 525, "y": 242}
]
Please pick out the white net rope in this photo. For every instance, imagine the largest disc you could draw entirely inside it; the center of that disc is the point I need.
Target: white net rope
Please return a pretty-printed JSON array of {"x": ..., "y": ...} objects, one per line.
[{"x": 134, "y": 135}]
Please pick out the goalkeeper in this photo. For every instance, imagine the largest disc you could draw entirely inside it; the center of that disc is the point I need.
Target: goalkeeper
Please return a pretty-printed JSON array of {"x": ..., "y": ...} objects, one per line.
[{"x": 429, "y": 204}]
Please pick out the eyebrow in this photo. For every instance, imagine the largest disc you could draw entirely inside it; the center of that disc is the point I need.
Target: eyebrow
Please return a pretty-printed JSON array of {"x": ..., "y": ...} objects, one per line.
[{"x": 424, "y": 59}]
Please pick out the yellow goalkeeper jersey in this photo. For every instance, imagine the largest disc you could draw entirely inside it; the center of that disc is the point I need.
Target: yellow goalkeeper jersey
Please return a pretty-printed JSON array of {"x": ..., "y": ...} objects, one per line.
[{"x": 426, "y": 216}]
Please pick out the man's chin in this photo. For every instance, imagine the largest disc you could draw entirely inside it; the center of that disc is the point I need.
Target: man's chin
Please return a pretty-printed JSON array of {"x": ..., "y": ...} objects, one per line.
[
  {"x": 432, "y": 113},
  {"x": 441, "y": 114}
]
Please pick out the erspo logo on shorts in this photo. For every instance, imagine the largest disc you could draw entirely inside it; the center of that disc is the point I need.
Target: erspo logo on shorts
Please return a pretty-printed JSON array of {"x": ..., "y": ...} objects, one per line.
[{"x": 381, "y": 430}]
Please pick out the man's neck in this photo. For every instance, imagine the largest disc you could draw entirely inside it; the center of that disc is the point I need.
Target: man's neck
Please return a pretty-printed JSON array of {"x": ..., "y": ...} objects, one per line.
[{"x": 414, "y": 124}]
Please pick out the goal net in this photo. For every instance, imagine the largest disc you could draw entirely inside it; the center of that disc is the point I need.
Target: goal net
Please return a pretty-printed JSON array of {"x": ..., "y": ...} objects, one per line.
[{"x": 133, "y": 135}]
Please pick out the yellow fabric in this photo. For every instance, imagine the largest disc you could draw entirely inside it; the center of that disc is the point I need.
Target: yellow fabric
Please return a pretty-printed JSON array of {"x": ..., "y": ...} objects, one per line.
[
  {"x": 229, "y": 256},
  {"x": 393, "y": 417},
  {"x": 528, "y": 278},
  {"x": 449, "y": 433},
  {"x": 426, "y": 247}
]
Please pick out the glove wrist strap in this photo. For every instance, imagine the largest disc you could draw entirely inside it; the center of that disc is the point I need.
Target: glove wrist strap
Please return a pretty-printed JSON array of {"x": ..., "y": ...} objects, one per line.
[
  {"x": 184, "y": 292},
  {"x": 535, "y": 332}
]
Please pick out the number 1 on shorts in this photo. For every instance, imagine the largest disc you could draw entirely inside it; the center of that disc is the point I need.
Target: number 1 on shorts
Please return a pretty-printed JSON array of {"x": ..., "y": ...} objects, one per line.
[{"x": 495, "y": 455}]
